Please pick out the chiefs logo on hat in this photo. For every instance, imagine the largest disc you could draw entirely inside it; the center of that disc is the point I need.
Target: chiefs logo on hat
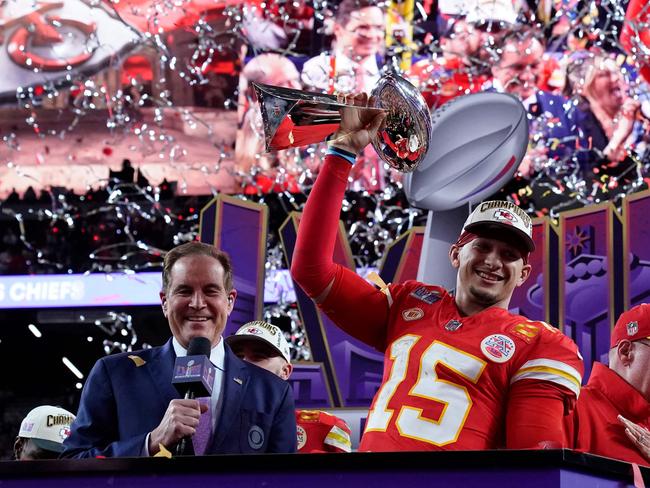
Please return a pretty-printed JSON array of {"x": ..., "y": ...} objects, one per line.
[
  {"x": 64, "y": 433},
  {"x": 254, "y": 331},
  {"x": 505, "y": 215}
]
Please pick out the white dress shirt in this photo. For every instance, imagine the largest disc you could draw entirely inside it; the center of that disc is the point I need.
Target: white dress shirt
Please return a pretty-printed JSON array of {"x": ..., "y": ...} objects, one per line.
[
  {"x": 319, "y": 71},
  {"x": 217, "y": 358}
]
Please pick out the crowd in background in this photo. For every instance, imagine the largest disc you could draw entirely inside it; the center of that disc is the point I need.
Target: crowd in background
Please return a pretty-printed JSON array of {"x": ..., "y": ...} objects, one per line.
[
  {"x": 585, "y": 98},
  {"x": 586, "y": 101}
]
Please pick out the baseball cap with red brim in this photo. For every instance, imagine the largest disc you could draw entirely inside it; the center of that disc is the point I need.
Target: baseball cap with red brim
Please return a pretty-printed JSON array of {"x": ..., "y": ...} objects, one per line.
[{"x": 632, "y": 325}]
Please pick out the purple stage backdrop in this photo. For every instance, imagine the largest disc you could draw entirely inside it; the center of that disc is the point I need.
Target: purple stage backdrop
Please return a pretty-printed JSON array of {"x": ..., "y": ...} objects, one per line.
[
  {"x": 534, "y": 298},
  {"x": 239, "y": 227},
  {"x": 402, "y": 257},
  {"x": 589, "y": 289},
  {"x": 636, "y": 249},
  {"x": 310, "y": 385}
]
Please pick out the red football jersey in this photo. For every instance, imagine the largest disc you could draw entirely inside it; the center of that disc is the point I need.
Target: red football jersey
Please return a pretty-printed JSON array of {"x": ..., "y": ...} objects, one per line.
[
  {"x": 320, "y": 431},
  {"x": 447, "y": 377}
]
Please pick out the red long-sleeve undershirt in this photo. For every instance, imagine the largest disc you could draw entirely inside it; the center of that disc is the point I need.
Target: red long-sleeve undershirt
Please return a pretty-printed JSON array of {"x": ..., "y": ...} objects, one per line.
[{"x": 313, "y": 269}]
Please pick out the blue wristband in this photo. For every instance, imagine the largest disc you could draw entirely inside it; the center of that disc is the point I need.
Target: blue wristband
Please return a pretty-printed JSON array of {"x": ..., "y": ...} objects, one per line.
[{"x": 342, "y": 153}]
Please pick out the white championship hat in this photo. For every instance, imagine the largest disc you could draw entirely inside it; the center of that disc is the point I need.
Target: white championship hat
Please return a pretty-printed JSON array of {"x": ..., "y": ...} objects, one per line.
[
  {"x": 259, "y": 330},
  {"x": 47, "y": 427},
  {"x": 500, "y": 216}
]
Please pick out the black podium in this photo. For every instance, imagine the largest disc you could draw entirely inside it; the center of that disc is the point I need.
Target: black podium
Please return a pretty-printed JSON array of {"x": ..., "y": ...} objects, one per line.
[{"x": 465, "y": 469}]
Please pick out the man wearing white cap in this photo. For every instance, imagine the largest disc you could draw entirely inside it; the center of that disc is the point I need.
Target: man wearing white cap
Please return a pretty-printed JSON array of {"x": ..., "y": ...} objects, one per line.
[
  {"x": 42, "y": 433},
  {"x": 264, "y": 345},
  {"x": 461, "y": 372}
]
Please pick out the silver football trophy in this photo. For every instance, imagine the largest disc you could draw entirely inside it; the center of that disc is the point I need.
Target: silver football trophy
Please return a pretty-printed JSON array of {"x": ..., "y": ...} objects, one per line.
[
  {"x": 480, "y": 139},
  {"x": 294, "y": 118}
]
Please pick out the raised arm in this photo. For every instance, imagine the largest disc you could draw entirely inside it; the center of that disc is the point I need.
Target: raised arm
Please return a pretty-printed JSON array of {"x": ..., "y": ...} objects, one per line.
[{"x": 333, "y": 287}]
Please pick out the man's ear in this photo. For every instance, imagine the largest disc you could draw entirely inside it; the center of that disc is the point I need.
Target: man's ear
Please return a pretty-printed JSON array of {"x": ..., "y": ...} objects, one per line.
[
  {"x": 163, "y": 302},
  {"x": 454, "y": 256},
  {"x": 286, "y": 370},
  {"x": 18, "y": 448},
  {"x": 624, "y": 352},
  {"x": 525, "y": 273},
  {"x": 232, "y": 296}
]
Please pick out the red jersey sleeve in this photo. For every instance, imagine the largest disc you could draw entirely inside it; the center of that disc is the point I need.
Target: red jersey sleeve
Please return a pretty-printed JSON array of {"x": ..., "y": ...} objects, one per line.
[
  {"x": 544, "y": 387},
  {"x": 551, "y": 356},
  {"x": 338, "y": 438},
  {"x": 358, "y": 308},
  {"x": 536, "y": 416}
]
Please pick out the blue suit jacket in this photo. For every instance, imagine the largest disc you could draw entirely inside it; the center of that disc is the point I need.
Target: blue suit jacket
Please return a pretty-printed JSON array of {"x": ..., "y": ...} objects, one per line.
[{"x": 121, "y": 403}]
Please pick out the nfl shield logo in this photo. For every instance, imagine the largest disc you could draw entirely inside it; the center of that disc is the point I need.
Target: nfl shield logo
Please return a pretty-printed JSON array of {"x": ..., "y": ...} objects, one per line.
[
  {"x": 453, "y": 325},
  {"x": 632, "y": 328}
]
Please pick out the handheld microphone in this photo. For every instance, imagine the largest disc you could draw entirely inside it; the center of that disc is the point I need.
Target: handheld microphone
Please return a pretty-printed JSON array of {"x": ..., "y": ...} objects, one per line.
[{"x": 193, "y": 377}]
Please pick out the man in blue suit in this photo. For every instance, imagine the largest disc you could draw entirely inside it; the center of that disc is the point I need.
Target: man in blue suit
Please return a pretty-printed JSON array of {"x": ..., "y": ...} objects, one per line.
[{"x": 129, "y": 406}]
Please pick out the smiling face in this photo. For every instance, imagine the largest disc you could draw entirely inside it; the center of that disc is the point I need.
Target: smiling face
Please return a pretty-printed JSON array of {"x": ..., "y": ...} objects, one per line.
[
  {"x": 196, "y": 301},
  {"x": 363, "y": 34},
  {"x": 518, "y": 68},
  {"x": 488, "y": 272}
]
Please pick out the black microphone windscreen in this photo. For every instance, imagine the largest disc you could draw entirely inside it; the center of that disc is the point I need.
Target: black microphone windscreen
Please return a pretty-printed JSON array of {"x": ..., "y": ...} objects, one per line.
[{"x": 199, "y": 346}]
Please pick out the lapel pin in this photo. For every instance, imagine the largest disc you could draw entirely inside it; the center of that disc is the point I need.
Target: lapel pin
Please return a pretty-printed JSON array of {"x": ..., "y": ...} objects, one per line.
[
  {"x": 238, "y": 380},
  {"x": 137, "y": 360}
]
